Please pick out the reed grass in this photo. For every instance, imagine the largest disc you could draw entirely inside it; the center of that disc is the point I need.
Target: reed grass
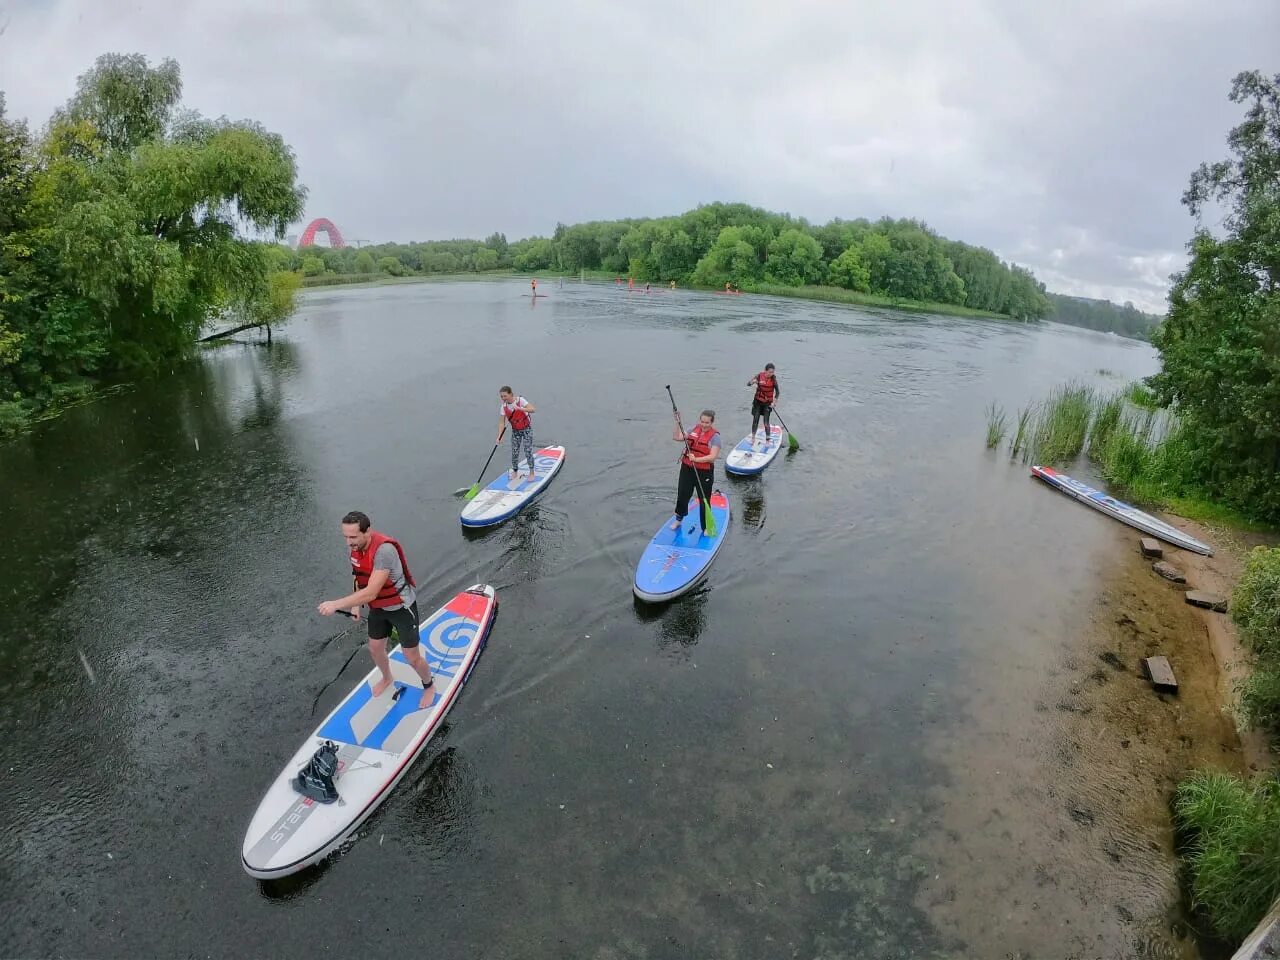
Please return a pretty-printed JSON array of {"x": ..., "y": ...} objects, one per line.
[
  {"x": 1063, "y": 423},
  {"x": 997, "y": 425}
]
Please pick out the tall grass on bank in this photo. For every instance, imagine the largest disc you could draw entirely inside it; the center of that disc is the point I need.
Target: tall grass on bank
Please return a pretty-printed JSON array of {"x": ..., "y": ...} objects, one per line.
[
  {"x": 997, "y": 426},
  {"x": 1062, "y": 423},
  {"x": 1232, "y": 849},
  {"x": 1140, "y": 395},
  {"x": 1022, "y": 436},
  {"x": 1255, "y": 608},
  {"x": 1143, "y": 449},
  {"x": 1105, "y": 419}
]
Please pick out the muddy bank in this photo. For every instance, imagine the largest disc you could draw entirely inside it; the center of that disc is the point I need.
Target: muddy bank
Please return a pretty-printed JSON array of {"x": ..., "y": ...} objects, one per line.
[{"x": 1076, "y": 767}]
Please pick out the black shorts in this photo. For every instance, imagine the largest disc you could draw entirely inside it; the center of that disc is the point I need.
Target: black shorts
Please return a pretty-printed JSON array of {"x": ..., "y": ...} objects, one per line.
[
  {"x": 405, "y": 621},
  {"x": 760, "y": 409}
]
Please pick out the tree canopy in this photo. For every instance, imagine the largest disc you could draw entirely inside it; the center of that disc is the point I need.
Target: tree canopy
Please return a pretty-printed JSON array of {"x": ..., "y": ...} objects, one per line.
[
  {"x": 1220, "y": 345},
  {"x": 121, "y": 231}
]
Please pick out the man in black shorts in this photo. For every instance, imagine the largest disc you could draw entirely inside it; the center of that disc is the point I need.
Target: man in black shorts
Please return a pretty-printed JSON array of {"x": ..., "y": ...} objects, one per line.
[{"x": 383, "y": 581}]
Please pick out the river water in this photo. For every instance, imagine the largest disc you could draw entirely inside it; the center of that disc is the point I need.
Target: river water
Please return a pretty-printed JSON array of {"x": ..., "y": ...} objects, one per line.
[{"x": 836, "y": 748}]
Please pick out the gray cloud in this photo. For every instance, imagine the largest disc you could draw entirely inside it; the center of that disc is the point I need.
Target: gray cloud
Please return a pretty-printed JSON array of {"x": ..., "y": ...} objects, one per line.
[{"x": 1059, "y": 136}]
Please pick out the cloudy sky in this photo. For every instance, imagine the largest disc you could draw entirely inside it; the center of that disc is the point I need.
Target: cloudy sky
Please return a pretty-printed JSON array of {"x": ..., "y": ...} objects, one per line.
[{"x": 1059, "y": 135}]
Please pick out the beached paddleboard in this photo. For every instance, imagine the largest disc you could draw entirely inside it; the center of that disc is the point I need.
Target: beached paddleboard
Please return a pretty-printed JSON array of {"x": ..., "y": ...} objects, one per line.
[
  {"x": 676, "y": 561},
  {"x": 376, "y": 739},
  {"x": 504, "y": 498},
  {"x": 1119, "y": 510},
  {"x": 752, "y": 454}
]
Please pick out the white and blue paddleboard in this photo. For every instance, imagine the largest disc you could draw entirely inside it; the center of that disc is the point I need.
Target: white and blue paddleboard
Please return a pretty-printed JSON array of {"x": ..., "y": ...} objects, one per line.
[
  {"x": 504, "y": 498},
  {"x": 754, "y": 453},
  {"x": 676, "y": 561},
  {"x": 1119, "y": 510},
  {"x": 377, "y": 740}
]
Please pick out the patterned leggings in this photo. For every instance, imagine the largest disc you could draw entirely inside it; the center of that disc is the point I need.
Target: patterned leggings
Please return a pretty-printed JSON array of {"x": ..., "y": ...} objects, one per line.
[{"x": 522, "y": 442}]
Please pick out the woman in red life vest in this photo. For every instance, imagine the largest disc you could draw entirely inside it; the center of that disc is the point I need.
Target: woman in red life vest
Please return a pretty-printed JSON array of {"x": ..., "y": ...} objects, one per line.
[
  {"x": 515, "y": 411},
  {"x": 697, "y": 466},
  {"x": 383, "y": 581},
  {"x": 767, "y": 393}
]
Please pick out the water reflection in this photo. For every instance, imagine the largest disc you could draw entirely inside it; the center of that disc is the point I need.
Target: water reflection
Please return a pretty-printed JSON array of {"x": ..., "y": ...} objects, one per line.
[
  {"x": 680, "y": 621},
  {"x": 752, "y": 494}
]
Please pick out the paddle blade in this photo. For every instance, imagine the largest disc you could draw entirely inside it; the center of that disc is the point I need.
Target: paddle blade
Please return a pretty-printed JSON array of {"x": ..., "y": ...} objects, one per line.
[
  {"x": 471, "y": 494},
  {"x": 792, "y": 443},
  {"x": 710, "y": 518}
]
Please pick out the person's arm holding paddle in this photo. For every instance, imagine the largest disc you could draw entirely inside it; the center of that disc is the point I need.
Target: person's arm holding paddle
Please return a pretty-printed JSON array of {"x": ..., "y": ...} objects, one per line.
[{"x": 354, "y": 601}]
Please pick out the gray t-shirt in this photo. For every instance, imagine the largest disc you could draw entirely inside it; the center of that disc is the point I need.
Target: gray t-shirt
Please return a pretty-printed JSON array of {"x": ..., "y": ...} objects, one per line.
[{"x": 388, "y": 559}]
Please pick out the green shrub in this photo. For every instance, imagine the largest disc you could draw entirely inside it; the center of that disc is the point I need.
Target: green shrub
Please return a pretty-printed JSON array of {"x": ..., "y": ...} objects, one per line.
[
  {"x": 1255, "y": 603},
  {"x": 1233, "y": 848}
]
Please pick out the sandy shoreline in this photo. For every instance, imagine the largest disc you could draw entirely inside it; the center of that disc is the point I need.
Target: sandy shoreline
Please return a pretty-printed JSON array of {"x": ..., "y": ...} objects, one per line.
[{"x": 1219, "y": 574}]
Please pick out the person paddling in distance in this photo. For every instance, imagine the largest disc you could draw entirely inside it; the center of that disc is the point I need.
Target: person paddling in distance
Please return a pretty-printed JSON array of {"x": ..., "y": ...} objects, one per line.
[
  {"x": 767, "y": 393},
  {"x": 697, "y": 466},
  {"x": 515, "y": 410},
  {"x": 383, "y": 581},
  {"x": 533, "y": 287}
]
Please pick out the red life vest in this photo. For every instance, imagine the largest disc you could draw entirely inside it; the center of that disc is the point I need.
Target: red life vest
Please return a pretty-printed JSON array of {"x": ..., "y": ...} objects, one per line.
[
  {"x": 699, "y": 442},
  {"x": 362, "y": 570},
  {"x": 766, "y": 386},
  {"x": 519, "y": 419}
]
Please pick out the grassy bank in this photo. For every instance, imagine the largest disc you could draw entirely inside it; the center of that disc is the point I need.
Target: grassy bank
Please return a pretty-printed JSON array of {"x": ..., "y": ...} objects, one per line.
[
  {"x": 840, "y": 295},
  {"x": 1230, "y": 827},
  {"x": 1139, "y": 448}
]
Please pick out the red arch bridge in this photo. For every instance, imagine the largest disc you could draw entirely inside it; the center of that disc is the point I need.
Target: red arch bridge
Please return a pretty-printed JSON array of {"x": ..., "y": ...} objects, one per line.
[{"x": 309, "y": 235}]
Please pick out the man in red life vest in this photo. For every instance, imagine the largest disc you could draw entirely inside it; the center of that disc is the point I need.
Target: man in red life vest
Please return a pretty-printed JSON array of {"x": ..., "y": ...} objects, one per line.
[
  {"x": 515, "y": 410},
  {"x": 767, "y": 392},
  {"x": 697, "y": 466},
  {"x": 383, "y": 581}
]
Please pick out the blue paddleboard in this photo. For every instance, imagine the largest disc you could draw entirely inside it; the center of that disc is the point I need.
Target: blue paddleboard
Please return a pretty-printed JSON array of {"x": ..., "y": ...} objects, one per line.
[{"x": 676, "y": 561}]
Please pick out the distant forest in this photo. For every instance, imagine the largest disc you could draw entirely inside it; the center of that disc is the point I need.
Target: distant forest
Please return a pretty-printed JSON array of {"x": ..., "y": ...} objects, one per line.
[
  {"x": 1127, "y": 320},
  {"x": 720, "y": 243}
]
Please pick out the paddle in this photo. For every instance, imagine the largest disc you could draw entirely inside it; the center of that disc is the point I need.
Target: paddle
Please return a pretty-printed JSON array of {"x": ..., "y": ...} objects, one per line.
[
  {"x": 475, "y": 487},
  {"x": 792, "y": 443},
  {"x": 348, "y": 614},
  {"x": 709, "y": 526}
]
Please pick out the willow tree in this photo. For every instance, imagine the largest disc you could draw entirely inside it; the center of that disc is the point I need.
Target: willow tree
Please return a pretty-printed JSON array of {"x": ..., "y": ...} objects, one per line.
[{"x": 133, "y": 223}]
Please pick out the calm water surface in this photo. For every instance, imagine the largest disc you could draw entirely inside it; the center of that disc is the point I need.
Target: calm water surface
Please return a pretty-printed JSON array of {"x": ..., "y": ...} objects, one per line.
[{"x": 830, "y": 750}]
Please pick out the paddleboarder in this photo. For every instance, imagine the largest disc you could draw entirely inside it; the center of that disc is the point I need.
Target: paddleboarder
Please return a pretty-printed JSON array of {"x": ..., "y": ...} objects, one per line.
[
  {"x": 533, "y": 286},
  {"x": 767, "y": 393},
  {"x": 515, "y": 410},
  {"x": 697, "y": 465},
  {"x": 383, "y": 581}
]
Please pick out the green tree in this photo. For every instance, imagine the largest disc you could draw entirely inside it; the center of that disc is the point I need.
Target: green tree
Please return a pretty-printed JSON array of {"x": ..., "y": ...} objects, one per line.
[
  {"x": 312, "y": 266},
  {"x": 484, "y": 259},
  {"x": 850, "y": 271},
  {"x": 1220, "y": 344},
  {"x": 364, "y": 262},
  {"x": 731, "y": 258},
  {"x": 394, "y": 267},
  {"x": 127, "y": 240},
  {"x": 795, "y": 258}
]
